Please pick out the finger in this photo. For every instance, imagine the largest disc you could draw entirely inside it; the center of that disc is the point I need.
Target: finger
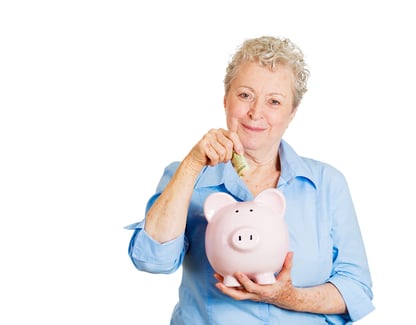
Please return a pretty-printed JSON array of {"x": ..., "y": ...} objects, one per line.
[
  {"x": 211, "y": 148},
  {"x": 232, "y": 125},
  {"x": 207, "y": 151},
  {"x": 287, "y": 267},
  {"x": 236, "y": 293},
  {"x": 223, "y": 143},
  {"x": 287, "y": 264},
  {"x": 219, "y": 277},
  {"x": 237, "y": 145},
  {"x": 246, "y": 282}
]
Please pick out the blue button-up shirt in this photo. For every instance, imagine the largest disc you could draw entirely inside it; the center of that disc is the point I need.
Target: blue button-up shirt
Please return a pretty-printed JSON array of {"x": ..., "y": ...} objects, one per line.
[{"x": 324, "y": 236}]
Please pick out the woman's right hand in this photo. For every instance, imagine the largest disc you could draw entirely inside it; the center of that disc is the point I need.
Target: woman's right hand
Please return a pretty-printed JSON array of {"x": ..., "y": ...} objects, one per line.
[
  {"x": 166, "y": 219},
  {"x": 215, "y": 147}
]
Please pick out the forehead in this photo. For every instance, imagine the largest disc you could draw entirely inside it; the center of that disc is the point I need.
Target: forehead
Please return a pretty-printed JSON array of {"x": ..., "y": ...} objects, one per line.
[{"x": 262, "y": 78}]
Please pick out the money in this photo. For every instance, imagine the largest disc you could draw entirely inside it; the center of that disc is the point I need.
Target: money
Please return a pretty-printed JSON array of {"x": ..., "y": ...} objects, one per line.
[{"x": 239, "y": 163}]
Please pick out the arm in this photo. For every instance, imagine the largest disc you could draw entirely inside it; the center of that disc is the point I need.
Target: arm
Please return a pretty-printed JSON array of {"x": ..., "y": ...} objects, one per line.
[
  {"x": 347, "y": 289},
  {"x": 322, "y": 299},
  {"x": 351, "y": 273},
  {"x": 166, "y": 219}
]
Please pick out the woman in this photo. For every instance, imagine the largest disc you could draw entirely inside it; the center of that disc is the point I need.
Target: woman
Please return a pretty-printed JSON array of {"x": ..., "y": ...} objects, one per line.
[{"x": 325, "y": 277}]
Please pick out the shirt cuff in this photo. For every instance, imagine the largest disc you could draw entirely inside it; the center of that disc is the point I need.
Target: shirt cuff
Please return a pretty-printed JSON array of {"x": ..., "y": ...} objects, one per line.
[
  {"x": 356, "y": 297},
  {"x": 154, "y": 257}
]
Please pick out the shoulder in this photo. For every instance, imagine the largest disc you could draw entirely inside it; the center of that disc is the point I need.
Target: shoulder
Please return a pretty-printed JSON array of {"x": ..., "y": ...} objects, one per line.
[
  {"x": 325, "y": 175},
  {"x": 321, "y": 168},
  {"x": 317, "y": 171}
]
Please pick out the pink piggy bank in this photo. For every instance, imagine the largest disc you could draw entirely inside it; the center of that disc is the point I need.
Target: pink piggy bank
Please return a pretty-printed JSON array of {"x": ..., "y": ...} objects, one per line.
[{"x": 249, "y": 237}]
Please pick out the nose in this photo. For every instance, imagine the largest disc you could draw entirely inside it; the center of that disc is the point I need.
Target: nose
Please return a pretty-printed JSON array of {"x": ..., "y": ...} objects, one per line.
[
  {"x": 245, "y": 239},
  {"x": 256, "y": 110}
]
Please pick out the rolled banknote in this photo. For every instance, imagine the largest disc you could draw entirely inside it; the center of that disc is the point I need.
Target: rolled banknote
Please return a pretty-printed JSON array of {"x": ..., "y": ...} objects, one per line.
[{"x": 239, "y": 163}]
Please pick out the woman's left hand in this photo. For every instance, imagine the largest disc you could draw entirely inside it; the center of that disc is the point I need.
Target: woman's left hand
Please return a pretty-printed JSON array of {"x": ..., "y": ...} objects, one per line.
[{"x": 281, "y": 293}]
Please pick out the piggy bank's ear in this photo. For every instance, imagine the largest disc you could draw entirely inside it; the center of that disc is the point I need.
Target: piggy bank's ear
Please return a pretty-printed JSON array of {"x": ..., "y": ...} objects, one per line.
[
  {"x": 273, "y": 199},
  {"x": 215, "y": 202}
]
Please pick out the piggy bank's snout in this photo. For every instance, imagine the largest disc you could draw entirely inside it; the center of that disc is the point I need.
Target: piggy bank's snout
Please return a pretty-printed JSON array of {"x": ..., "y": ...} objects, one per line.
[{"x": 245, "y": 239}]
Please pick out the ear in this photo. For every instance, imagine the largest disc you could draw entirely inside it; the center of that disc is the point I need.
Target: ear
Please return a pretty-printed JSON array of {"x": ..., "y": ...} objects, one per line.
[
  {"x": 215, "y": 202},
  {"x": 273, "y": 199}
]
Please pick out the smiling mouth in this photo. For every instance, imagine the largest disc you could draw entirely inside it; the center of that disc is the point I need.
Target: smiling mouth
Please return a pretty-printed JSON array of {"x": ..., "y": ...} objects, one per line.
[{"x": 253, "y": 128}]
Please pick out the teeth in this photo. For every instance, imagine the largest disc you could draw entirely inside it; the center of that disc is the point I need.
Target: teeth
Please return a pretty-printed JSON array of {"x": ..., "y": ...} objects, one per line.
[{"x": 240, "y": 164}]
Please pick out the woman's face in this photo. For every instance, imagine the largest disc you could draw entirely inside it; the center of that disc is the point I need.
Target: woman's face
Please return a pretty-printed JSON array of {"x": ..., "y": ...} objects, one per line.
[{"x": 259, "y": 105}]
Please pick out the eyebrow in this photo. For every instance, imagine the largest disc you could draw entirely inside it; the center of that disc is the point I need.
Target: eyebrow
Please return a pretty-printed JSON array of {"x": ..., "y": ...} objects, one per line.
[{"x": 269, "y": 94}]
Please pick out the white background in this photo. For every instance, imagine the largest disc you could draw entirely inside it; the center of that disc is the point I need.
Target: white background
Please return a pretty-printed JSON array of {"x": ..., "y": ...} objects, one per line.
[{"x": 97, "y": 97}]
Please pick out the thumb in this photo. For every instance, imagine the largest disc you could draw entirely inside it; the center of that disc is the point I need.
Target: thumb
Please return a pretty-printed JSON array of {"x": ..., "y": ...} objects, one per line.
[
  {"x": 232, "y": 126},
  {"x": 238, "y": 147},
  {"x": 287, "y": 267}
]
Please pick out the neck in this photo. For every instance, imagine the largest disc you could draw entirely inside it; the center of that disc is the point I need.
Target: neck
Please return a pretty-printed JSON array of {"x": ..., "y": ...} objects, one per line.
[
  {"x": 263, "y": 161},
  {"x": 262, "y": 174}
]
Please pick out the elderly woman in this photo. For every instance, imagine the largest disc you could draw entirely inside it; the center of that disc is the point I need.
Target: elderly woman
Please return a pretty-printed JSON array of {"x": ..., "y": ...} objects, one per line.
[{"x": 325, "y": 278}]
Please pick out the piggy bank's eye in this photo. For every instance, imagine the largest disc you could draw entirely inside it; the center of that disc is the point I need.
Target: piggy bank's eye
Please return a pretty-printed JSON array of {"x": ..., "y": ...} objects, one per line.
[
  {"x": 251, "y": 210},
  {"x": 237, "y": 211}
]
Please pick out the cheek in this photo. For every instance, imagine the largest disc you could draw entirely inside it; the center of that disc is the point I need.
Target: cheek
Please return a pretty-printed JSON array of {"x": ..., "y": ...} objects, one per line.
[
  {"x": 236, "y": 109},
  {"x": 279, "y": 122}
]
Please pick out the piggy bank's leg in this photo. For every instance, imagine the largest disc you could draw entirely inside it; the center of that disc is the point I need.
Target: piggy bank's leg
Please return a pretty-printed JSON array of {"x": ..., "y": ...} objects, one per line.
[
  {"x": 231, "y": 281},
  {"x": 265, "y": 278}
]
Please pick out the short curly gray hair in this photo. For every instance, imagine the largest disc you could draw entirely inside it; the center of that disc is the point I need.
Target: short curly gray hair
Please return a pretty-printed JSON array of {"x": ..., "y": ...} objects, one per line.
[{"x": 270, "y": 52}]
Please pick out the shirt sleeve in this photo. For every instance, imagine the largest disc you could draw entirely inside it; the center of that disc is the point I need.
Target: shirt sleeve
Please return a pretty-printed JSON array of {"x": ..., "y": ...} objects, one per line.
[
  {"x": 149, "y": 255},
  {"x": 351, "y": 274}
]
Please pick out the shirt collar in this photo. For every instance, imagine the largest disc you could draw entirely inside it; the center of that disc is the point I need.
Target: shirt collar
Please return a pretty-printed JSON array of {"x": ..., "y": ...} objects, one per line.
[
  {"x": 224, "y": 174},
  {"x": 293, "y": 165}
]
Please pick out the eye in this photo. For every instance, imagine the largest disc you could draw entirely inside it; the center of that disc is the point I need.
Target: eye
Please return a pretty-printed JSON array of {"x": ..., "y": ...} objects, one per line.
[
  {"x": 237, "y": 211},
  {"x": 245, "y": 96},
  {"x": 251, "y": 210},
  {"x": 274, "y": 102}
]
